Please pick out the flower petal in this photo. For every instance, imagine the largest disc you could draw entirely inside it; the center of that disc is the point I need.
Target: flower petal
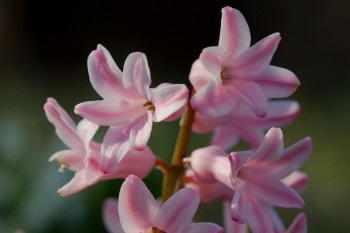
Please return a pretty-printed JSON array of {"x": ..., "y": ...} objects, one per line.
[
  {"x": 260, "y": 218},
  {"x": 214, "y": 100},
  {"x": 199, "y": 75},
  {"x": 240, "y": 207},
  {"x": 86, "y": 130},
  {"x": 82, "y": 179},
  {"x": 252, "y": 95},
  {"x": 270, "y": 148},
  {"x": 299, "y": 224},
  {"x": 141, "y": 131},
  {"x": 178, "y": 211},
  {"x": 297, "y": 181},
  {"x": 168, "y": 99},
  {"x": 137, "y": 207},
  {"x": 110, "y": 111},
  {"x": 64, "y": 125},
  {"x": 291, "y": 159},
  {"x": 105, "y": 75},
  {"x": 137, "y": 76},
  {"x": 234, "y": 32},
  {"x": 256, "y": 58},
  {"x": 211, "y": 164},
  {"x": 111, "y": 216},
  {"x": 276, "y": 82},
  {"x": 138, "y": 163},
  {"x": 230, "y": 225},
  {"x": 212, "y": 59},
  {"x": 271, "y": 190},
  {"x": 73, "y": 159},
  {"x": 225, "y": 137}
]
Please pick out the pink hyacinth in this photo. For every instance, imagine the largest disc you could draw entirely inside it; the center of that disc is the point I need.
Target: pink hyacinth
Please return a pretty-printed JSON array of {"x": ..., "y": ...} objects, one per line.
[
  {"x": 129, "y": 105},
  {"x": 84, "y": 154},
  {"x": 233, "y": 72},
  {"x": 255, "y": 176},
  {"x": 243, "y": 123},
  {"x": 138, "y": 211}
]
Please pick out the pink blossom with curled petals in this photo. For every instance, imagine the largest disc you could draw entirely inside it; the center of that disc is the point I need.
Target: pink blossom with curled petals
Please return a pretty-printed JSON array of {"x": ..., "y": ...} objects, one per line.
[
  {"x": 233, "y": 72},
  {"x": 255, "y": 176},
  {"x": 129, "y": 105},
  {"x": 139, "y": 211},
  {"x": 243, "y": 123},
  {"x": 84, "y": 154}
]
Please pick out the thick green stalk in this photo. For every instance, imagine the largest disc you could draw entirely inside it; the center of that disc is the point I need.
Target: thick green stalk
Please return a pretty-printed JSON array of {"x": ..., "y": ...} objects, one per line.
[{"x": 173, "y": 179}]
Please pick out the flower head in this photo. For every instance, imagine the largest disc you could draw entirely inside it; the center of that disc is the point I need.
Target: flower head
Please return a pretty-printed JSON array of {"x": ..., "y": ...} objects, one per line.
[
  {"x": 129, "y": 105},
  {"x": 233, "y": 72},
  {"x": 256, "y": 177},
  {"x": 139, "y": 212},
  {"x": 84, "y": 154}
]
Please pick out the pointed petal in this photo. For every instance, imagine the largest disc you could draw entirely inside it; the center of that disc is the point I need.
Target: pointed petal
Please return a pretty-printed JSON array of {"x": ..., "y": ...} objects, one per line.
[
  {"x": 168, "y": 99},
  {"x": 211, "y": 164},
  {"x": 256, "y": 58},
  {"x": 230, "y": 225},
  {"x": 212, "y": 59},
  {"x": 291, "y": 159},
  {"x": 214, "y": 100},
  {"x": 115, "y": 145},
  {"x": 86, "y": 130},
  {"x": 240, "y": 207},
  {"x": 111, "y": 216},
  {"x": 252, "y": 95},
  {"x": 64, "y": 125},
  {"x": 138, "y": 163},
  {"x": 271, "y": 190},
  {"x": 105, "y": 76},
  {"x": 270, "y": 148},
  {"x": 276, "y": 82},
  {"x": 260, "y": 218},
  {"x": 205, "y": 124},
  {"x": 225, "y": 137},
  {"x": 137, "y": 77},
  {"x": 199, "y": 75},
  {"x": 73, "y": 159},
  {"x": 299, "y": 224},
  {"x": 178, "y": 211},
  {"x": 203, "y": 227},
  {"x": 297, "y": 181},
  {"x": 234, "y": 32},
  {"x": 110, "y": 111},
  {"x": 141, "y": 131},
  {"x": 82, "y": 179},
  {"x": 137, "y": 207}
]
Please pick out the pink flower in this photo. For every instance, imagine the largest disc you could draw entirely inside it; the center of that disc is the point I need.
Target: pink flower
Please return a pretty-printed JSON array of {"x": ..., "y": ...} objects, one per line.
[
  {"x": 243, "y": 123},
  {"x": 83, "y": 155},
  {"x": 129, "y": 105},
  {"x": 138, "y": 211},
  {"x": 255, "y": 176},
  {"x": 233, "y": 72}
]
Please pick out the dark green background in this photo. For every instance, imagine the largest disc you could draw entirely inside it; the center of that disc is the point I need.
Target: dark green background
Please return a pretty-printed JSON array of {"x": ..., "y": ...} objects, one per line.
[{"x": 43, "y": 50}]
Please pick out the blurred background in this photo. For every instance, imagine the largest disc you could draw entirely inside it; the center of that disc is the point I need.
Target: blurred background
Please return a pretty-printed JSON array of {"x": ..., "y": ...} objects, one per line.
[{"x": 44, "y": 47}]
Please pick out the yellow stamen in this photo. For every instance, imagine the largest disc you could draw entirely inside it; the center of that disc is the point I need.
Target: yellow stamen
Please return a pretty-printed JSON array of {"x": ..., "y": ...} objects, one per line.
[
  {"x": 223, "y": 75},
  {"x": 149, "y": 105},
  {"x": 156, "y": 230}
]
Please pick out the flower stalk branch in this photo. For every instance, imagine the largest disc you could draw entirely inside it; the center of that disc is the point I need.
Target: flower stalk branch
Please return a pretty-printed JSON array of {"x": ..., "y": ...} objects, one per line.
[{"x": 173, "y": 179}]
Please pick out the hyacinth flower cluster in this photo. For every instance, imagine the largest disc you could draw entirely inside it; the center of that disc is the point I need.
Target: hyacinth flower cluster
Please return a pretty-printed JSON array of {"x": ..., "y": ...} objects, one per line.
[{"x": 234, "y": 88}]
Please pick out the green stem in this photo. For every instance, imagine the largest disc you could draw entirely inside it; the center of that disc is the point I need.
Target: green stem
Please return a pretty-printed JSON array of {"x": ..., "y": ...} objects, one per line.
[{"x": 173, "y": 179}]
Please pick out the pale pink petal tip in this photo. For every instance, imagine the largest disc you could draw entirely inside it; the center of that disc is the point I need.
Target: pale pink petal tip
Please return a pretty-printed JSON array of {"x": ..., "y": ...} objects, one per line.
[{"x": 299, "y": 224}]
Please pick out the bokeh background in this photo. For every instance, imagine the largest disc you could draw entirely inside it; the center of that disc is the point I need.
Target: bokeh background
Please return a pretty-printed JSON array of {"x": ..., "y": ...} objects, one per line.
[{"x": 43, "y": 51}]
